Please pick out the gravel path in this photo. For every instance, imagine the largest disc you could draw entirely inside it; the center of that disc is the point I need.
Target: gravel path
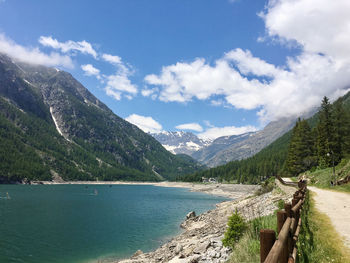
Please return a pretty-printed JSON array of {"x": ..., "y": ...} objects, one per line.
[{"x": 336, "y": 206}]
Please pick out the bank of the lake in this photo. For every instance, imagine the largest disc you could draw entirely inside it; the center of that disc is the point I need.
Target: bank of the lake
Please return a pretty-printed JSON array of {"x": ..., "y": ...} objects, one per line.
[
  {"x": 232, "y": 191},
  {"x": 88, "y": 223},
  {"x": 200, "y": 242}
]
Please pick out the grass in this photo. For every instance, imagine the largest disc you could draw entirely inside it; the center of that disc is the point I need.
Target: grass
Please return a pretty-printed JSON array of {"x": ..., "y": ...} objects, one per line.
[
  {"x": 322, "y": 177},
  {"x": 247, "y": 249},
  {"x": 318, "y": 240}
]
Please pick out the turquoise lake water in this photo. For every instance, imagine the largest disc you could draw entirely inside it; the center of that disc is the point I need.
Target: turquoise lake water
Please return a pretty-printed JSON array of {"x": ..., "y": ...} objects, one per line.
[{"x": 90, "y": 223}]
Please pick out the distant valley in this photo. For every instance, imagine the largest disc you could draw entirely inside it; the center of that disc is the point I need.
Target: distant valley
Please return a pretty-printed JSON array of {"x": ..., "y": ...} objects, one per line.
[{"x": 224, "y": 149}]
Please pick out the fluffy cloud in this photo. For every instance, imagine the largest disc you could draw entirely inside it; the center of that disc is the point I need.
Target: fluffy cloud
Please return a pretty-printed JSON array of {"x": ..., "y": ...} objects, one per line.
[
  {"x": 90, "y": 70},
  {"x": 216, "y": 132},
  {"x": 119, "y": 83},
  {"x": 190, "y": 126},
  {"x": 68, "y": 46},
  {"x": 33, "y": 55},
  {"x": 320, "y": 29},
  {"x": 319, "y": 26},
  {"x": 147, "y": 124},
  {"x": 111, "y": 59}
]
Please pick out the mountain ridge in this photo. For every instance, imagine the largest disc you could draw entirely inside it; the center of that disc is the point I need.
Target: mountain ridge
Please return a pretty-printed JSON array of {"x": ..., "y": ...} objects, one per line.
[
  {"x": 37, "y": 101},
  {"x": 225, "y": 148}
]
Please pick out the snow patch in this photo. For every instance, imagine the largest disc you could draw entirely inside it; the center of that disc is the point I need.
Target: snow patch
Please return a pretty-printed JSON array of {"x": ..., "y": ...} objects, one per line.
[
  {"x": 193, "y": 145},
  {"x": 57, "y": 128},
  {"x": 170, "y": 148},
  {"x": 26, "y": 81}
]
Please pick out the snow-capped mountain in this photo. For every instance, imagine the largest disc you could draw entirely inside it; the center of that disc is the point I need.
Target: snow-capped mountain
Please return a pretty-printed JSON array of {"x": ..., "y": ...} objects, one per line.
[
  {"x": 226, "y": 148},
  {"x": 180, "y": 142},
  {"x": 236, "y": 147}
]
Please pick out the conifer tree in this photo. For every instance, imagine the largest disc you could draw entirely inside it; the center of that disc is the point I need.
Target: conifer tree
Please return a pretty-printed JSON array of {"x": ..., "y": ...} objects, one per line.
[
  {"x": 341, "y": 131},
  {"x": 325, "y": 134},
  {"x": 301, "y": 154}
]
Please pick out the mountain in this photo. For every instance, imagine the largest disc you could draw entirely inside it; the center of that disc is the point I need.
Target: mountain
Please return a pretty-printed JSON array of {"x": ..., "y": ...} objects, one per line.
[
  {"x": 207, "y": 154},
  {"x": 51, "y": 126},
  {"x": 180, "y": 142},
  {"x": 237, "y": 147},
  {"x": 226, "y": 148}
]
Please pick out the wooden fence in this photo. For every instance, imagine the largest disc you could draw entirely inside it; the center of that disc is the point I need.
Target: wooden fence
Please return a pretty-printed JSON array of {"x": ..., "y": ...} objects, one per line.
[{"x": 284, "y": 250}]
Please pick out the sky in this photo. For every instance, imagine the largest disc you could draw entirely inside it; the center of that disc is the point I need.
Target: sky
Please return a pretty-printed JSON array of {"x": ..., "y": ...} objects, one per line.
[{"x": 211, "y": 67}]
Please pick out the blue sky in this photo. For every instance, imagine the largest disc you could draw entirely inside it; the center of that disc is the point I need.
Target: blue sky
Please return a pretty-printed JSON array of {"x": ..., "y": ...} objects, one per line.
[{"x": 212, "y": 67}]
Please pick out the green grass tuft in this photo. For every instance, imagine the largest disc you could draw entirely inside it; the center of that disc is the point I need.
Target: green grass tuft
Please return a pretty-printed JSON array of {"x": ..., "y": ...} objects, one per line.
[{"x": 247, "y": 249}]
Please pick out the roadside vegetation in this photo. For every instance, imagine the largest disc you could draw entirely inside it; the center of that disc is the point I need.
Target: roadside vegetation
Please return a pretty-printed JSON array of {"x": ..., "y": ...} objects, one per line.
[
  {"x": 322, "y": 178},
  {"x": 243, "y": 237},
  {"x": 247, "y": 247},
  {"x": 318, "y": 240}
]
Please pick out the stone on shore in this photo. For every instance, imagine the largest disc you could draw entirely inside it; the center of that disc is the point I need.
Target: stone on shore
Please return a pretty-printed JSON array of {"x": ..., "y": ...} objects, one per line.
[{"x": 191, "y": 214}]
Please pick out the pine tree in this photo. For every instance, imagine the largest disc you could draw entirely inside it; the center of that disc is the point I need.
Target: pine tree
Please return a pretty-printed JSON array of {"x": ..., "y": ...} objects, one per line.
[
  {"x": 325, "y": 134},
  {"x": 341, "y": 131},
  {"x": 301, "y": 154}
]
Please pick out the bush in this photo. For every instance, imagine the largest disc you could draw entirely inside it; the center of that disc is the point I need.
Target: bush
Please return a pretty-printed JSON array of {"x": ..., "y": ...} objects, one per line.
[
  {"x": 266, "y": 186},
  {"x": 235, "y": 230}
]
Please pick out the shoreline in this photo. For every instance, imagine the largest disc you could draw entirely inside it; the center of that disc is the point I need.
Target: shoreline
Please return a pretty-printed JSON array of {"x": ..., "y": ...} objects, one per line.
[{"x": 232, "y": 191}]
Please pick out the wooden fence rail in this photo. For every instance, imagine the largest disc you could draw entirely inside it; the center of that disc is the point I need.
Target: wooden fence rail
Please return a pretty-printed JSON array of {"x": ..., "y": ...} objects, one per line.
[{"x": 284, "y": 250}]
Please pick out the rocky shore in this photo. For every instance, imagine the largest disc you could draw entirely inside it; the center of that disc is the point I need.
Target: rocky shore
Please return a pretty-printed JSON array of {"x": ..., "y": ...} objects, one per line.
[{"x": 201, "y": 239}]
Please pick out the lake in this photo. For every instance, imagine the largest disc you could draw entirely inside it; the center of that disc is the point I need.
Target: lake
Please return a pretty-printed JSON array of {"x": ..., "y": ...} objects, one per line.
[{"x": 90, "y": 223}]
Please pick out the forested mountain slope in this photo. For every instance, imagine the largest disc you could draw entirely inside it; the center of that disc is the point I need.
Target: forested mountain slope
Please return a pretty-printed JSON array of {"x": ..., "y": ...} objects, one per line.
[{"x": 50, "y": 125}]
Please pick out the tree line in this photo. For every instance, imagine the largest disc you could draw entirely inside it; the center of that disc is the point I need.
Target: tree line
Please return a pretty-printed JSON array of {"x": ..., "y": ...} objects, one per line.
[{"x": 323, "y": 145}]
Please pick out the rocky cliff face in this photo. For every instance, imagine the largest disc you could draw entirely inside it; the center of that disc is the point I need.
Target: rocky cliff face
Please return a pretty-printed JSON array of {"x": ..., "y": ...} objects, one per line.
[
  {"x": 37, "y": 101},
  {"x": 237, "y": 147},
  {"x": 212, "y": 151}
]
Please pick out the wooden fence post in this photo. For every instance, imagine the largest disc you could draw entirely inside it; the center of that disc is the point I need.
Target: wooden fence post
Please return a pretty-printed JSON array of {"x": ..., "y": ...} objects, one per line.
[
  {"x": 267, "y": 239},
  {"x": 281, "y": 218},
  {"x": 288, "y": 208}
]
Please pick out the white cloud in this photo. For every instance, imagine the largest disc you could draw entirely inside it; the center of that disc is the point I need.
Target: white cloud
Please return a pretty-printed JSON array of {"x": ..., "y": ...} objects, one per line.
[
  {"x": 112, "y": 59},
  {"x": 90, "y": 70},
  {"x": 33, "y": 55},
  {"x": 208, "y": 124},
  {"x": 119, "y": 83},
  {"x": 68, "y": 46},
  {"x": 149, "y": 93},
  {"x": 216, "y": 132},
  {"x": 190, "y": 126},
  {"x": 319, "y": 27},
  {"x": 117, "y": 95},
  {"x": 247, "y": 64},
  {"x": 147, "y": 124}
]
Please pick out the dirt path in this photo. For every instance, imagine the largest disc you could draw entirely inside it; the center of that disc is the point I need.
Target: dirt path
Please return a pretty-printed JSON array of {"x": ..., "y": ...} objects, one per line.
[{"x": 336, "y": 206}]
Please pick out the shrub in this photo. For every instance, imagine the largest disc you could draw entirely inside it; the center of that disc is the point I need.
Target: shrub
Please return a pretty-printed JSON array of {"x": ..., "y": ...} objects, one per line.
[
  {"x": 266, "y": 186},
  {"x": 236, "y": 227}
]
